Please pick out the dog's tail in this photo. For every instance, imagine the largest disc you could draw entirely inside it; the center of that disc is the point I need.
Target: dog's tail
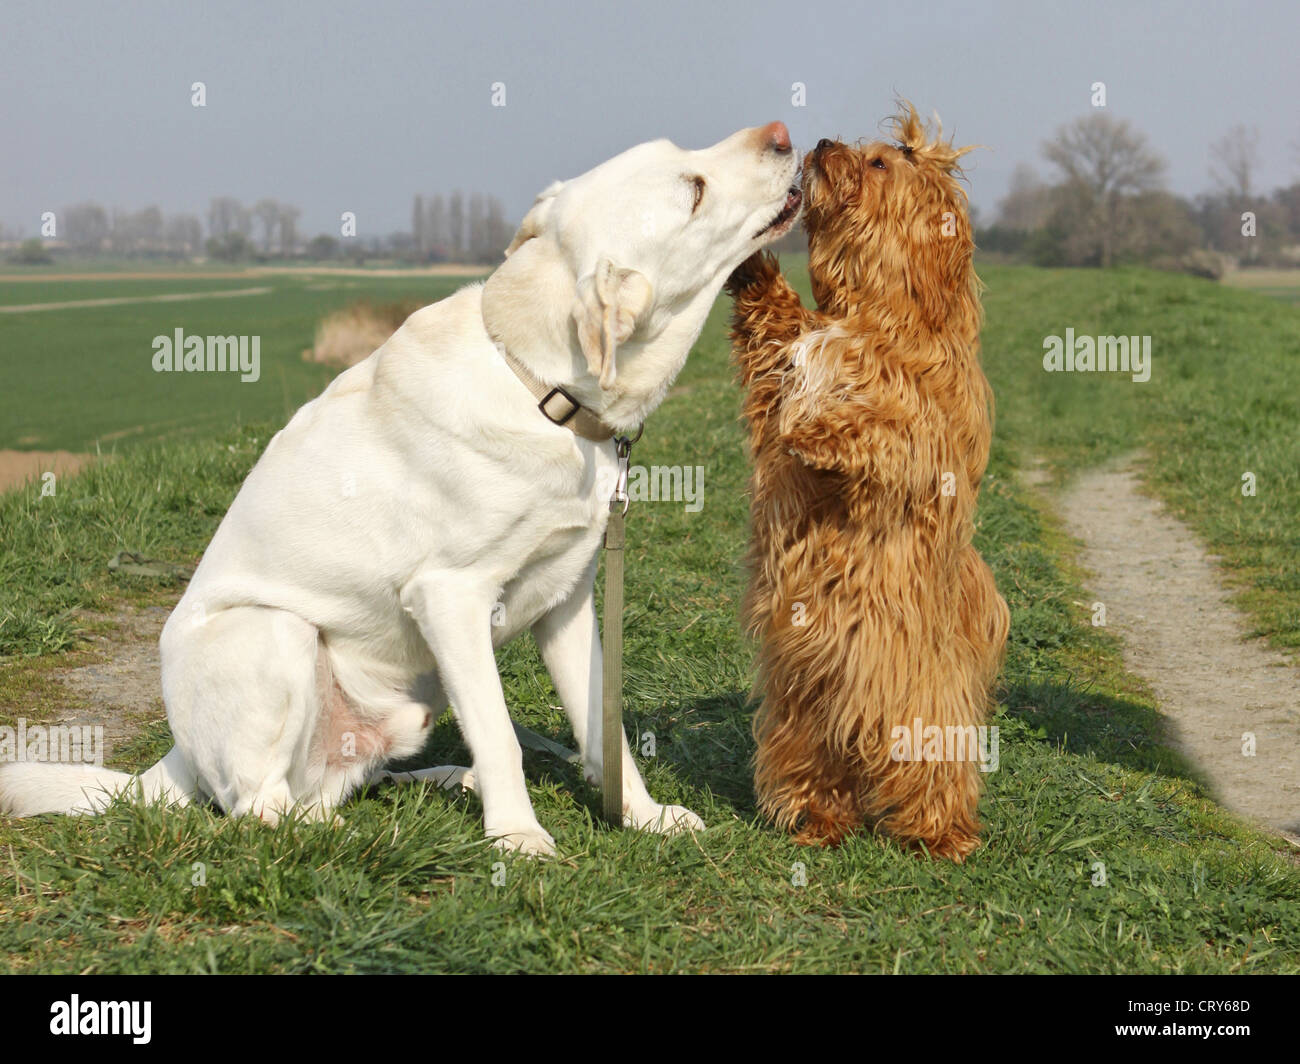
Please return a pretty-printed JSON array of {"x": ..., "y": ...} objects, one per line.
[{"x": 29, "y": 788}]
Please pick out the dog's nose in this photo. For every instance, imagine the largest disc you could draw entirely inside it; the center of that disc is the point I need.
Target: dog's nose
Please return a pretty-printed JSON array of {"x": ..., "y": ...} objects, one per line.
[
  {"x": 823, "y": 144},
  {"x": 777, "y": 137}
]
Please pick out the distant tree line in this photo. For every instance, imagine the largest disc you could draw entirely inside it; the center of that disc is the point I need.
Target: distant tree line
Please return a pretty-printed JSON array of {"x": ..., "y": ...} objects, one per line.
[
  {"x": 472, "y": 230},
  {"x": 453, "y": 231},
  {"x": 1106, "y": 204},
  {"x": 90, "y": 229},
  {"x": 268, "y": 229}
]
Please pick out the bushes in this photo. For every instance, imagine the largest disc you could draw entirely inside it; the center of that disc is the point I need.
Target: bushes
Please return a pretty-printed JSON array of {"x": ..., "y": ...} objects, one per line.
[{"x": 31, "y": 253}]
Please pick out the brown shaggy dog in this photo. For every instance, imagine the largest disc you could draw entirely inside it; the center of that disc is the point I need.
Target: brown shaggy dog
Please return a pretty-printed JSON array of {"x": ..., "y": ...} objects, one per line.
[{"x": 870, "y": 421}]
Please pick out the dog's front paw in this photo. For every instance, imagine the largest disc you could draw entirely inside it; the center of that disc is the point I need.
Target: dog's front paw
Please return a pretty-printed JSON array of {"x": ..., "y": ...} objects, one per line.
[
  {"x": 663, "y": 819},
  {"x": 534, "y": 841},
  {"x": 955, "y": 846},
  {"x": 754, "y": 274}
]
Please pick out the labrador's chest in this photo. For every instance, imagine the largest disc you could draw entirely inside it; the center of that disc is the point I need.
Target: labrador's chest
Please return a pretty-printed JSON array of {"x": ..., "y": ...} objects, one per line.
[{"x": 553, "y": 549}]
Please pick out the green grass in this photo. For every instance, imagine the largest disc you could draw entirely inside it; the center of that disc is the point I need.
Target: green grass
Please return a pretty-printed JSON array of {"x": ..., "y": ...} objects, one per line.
[
  {"x": 83, "y": 378},
  {"x": 407, "y": 884},
  {"x": 1223, "y": 400},
  {"x": 161, "y": 502}
]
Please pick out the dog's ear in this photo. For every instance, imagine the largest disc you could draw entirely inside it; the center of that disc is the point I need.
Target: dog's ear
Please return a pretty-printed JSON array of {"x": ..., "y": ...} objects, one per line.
[
  {"x": 535, "y": 220},
  {"x": 940, "y": 245},
  {"x": 609, "y": 302}
]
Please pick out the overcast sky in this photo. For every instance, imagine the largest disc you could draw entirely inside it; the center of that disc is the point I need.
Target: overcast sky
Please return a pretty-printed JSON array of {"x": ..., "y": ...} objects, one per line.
[{"x": 356, "y": 107}]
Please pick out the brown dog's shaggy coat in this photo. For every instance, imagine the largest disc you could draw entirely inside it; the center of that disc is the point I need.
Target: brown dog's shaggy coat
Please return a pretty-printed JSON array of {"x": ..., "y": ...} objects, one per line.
[{"x": 869, "y": 422}]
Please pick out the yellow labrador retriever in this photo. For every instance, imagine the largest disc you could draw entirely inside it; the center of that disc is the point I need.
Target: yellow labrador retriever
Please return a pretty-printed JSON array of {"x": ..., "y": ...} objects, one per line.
[{"x": 427, "y": 508}]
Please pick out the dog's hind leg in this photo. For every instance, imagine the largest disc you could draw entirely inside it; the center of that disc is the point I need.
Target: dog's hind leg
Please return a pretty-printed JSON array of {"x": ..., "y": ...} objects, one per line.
[
  {"x": 364, "y": 721},
  {"x": 933, "y": 803},
  {"x": 936, "y": 803},
  {"x": 241, "y": 701},
  {"x": 927, "y": 789},
  {"x": 802, "y": 785}
]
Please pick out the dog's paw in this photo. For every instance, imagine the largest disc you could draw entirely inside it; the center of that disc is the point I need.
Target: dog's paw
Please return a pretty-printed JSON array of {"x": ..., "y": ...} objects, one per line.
[
  {"x": 756, "y": 272},
  {"x": 663, "y": 819},
  {"x": 449, "y": 777},
  {"x": 533, "y": 841},
  {"x": 316, "y": 814},
  {"x": 956, "y": 846}
]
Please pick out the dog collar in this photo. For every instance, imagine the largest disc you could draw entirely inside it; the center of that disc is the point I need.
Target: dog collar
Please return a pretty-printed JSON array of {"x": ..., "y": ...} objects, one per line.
[{"x": 557, "y": 405}]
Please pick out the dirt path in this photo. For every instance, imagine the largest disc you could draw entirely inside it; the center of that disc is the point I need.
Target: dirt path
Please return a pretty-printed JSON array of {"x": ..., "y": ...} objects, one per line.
[
  {"x": 444, "y": 269},
  {"x": 113, "y": 681},
  {"x": 1163, "y": 594},
  {"x": 19, "y": 467},
  {"x": 117, "y": 301}
]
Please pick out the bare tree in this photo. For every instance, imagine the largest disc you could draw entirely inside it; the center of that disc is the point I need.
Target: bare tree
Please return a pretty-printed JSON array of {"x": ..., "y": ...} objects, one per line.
[
  {"x": 477, "y": 241},
  {"x": 121, "y": 235},
  {"x": 288, "y": 219},
  {"x": 148, "y": 226},
  {"x": 85, "y": 226},
  {"x": 1287, "y": 201},
  {"x": 497, "y": 231},
  {"x": 1027, "y": 202},
  {"x": 1159, "y": 223},
  {"x": 419, "y": 228},
  {"x": 456, "y": 225},
  {"x": 398, "y": 245},
  {"x": 322, "y": 247},
  {"x": 224, "y": 217},
  {"x": 267, "y": 211},
  {"x": 183, "y": 234},
  {"x": 1103, "y": 159},
  {"x": 1234, "y": 158},
  {"x": 437, "y": 227}
]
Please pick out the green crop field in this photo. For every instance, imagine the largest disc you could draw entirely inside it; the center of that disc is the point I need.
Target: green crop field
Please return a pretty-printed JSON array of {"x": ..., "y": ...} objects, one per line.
[
  {"x": 1086, "y": 781},
  {"x": 83, "y": 376},
  {"x": 1280, "y": 284}
]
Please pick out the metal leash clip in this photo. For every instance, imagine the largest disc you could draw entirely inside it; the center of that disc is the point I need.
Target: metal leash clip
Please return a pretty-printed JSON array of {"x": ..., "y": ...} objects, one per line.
[{"x": 623, "y": 446}]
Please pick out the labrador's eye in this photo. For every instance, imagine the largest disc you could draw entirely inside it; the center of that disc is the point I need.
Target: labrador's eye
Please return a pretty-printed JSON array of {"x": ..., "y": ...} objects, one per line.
[
  {"x": 698, "y": 183},
  {"x": 879, "y": 163}
]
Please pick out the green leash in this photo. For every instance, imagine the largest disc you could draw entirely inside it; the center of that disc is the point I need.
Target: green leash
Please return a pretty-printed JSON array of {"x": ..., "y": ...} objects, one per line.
[
  {"x": 611, "y": 755},
  {"x": 611, "y": 784}
]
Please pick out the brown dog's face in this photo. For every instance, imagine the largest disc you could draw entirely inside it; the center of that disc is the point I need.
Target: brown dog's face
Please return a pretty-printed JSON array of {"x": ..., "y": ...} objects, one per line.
[{"x": 886, "y": 223}]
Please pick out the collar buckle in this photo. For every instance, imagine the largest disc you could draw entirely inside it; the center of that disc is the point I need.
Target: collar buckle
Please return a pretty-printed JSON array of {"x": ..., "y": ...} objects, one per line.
[{"x": 574, "y": 406}]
